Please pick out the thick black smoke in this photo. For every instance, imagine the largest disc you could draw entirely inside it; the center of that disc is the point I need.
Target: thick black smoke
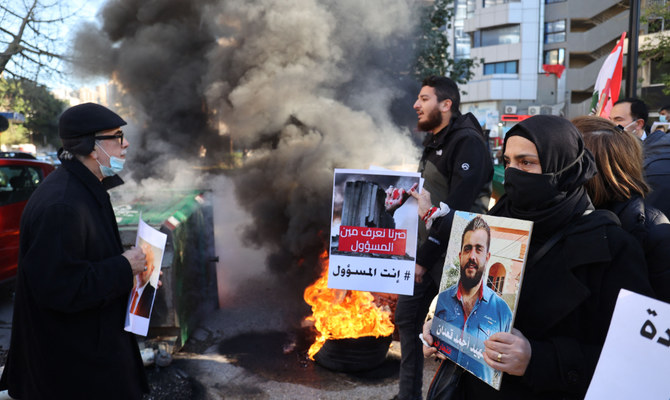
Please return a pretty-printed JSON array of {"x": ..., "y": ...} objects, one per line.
[{"x": 306, "y": 84}]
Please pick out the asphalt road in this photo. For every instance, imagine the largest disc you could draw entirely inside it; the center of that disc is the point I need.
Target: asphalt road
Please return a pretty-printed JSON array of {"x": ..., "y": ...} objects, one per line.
[{"x": 251, "y": 348}]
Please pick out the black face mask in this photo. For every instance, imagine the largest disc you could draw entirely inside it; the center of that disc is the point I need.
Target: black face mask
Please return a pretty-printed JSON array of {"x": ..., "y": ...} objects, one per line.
[{"x": 528, "y": 191}]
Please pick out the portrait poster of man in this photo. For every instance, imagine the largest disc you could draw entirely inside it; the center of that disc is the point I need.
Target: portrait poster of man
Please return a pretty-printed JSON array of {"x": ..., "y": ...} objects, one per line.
[
  {"x": 374, "y": 230},
  {"x": 480, "y": 286},
  {"x": 141, "y": 300}
]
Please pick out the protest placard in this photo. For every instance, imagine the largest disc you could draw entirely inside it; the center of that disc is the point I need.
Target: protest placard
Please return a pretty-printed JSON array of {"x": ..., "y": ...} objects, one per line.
[
  {"x": 374, "y": 229},
  {"x": 479, "y": 290},
  {"x": 635, "y": 359}
]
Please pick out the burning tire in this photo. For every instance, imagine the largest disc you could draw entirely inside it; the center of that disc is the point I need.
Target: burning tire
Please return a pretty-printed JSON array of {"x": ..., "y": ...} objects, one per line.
[{"x": 353, "y": 355}]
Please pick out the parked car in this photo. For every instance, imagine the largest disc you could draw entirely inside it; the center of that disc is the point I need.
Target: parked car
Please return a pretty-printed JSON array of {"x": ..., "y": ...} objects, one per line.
[
  {"x": 16, "y": 154},
  {"x": 18, "y": 179}
]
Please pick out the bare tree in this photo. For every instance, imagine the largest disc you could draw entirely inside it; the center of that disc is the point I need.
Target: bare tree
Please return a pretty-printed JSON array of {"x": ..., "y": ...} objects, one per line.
[{"x": 29, "y": 38}]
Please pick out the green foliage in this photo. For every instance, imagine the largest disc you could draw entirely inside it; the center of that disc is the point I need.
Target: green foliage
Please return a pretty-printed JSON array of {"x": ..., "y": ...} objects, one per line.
[
  {"x": 452, "y": 273},
  {"x": 40, "y": 108},
  {"x": 657, "y": 50},
  {"x": 433, "y": 44}
]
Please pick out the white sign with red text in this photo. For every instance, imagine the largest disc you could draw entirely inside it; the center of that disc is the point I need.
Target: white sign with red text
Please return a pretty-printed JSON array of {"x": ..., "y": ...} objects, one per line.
[{"x": 374, "y": 230}]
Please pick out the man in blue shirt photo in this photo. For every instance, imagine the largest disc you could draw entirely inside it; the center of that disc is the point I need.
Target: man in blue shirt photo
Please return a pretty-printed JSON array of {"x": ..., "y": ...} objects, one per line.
[{"x": 468, "y": 312}]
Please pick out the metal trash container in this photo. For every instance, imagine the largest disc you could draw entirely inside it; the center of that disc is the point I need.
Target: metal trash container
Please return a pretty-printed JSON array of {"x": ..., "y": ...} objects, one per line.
[{"x": 189, "y": 289}]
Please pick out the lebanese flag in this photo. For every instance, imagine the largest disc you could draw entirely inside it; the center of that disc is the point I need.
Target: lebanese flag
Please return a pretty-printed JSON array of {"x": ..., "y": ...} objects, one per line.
[{"x": 608, "y": 83}]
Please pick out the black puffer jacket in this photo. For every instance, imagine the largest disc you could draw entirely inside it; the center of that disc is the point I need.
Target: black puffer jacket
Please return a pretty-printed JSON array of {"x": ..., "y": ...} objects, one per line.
[
  {"x": 458, "y": 171},
  {"x": 657, "y": 170},
  {"x": 652, "y": 229}
]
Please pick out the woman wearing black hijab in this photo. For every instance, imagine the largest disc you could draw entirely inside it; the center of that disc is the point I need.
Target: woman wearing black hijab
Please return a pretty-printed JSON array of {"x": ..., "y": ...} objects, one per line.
[{"x": 578, "y": 261}]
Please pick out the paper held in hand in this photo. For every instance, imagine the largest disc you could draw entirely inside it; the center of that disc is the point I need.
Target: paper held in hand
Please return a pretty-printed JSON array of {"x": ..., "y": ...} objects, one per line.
[{"x": 141, "y": 298}]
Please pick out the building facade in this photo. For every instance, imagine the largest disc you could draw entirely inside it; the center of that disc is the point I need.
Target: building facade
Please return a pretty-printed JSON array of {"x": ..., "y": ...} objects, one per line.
[{"x": 518, "y": 42}]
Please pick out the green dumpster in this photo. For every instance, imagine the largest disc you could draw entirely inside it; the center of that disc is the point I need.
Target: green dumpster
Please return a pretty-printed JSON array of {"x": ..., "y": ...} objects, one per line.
[
  {"x": 498, "y": 180},
  {"x": 189, "y": 289}
]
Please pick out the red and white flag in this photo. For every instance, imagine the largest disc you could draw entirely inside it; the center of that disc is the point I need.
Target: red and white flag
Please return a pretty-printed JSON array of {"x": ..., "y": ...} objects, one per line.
[{"x": 608, "y": 83}]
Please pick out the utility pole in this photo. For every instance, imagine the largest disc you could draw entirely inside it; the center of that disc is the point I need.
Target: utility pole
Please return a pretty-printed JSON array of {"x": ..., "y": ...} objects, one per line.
[{"x": 631, "y": 60}]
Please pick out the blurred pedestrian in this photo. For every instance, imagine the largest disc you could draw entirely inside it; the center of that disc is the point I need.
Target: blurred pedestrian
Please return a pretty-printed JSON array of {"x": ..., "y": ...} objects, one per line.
[
  {"x": 620, "y": 187},
  {"x": 74, "y": 278},
  {"x": 664, "y": 114},
  {"x": 458, "y": 171},
  {"x": 578, "y": 261}
]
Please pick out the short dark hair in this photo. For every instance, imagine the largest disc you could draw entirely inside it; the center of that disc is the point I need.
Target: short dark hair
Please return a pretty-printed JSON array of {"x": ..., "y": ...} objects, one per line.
[
  {"x": 638, "y": 110},
  {"x": 665, "y": 107},
  {"x": 477, "y": 223},
  {"x": 445, "y": 88}
]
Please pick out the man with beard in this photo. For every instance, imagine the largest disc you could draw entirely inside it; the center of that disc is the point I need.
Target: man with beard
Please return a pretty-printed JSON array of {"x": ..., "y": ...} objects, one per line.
[
  {"x": 470, "y": 309},
  {"x": 458, "y": 171}
]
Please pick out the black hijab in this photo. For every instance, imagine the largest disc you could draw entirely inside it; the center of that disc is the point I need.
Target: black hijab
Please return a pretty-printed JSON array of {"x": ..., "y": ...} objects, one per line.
[{"x": 566, "y": 164}]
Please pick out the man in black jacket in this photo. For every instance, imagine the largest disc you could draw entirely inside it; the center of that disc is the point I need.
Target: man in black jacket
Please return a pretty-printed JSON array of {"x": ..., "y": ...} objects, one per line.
[
  {"x": 74, "y": 277},
  {"x": 458, "y": 171},
  {"x": 632, "y": 114}
]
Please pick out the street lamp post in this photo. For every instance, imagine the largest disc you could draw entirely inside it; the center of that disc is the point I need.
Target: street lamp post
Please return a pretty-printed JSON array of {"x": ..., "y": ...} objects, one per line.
[{"x": 631, "y": 60}]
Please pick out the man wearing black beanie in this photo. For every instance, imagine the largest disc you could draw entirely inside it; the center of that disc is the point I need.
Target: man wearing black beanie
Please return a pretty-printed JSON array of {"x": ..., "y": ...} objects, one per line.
[{"x": 74, "y": 278}]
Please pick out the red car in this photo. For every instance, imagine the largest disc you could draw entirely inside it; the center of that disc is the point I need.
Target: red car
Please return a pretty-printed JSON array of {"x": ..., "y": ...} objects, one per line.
[{"x": 18, "y": 179}]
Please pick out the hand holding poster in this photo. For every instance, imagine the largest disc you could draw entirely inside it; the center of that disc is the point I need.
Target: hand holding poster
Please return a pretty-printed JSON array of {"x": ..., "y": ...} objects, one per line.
[
  {"x": 141, "y": 300},
  {"x": 373, "y": 231},
  {"x": 635, "y": 359},
  {"x": 480, "y": 286}
]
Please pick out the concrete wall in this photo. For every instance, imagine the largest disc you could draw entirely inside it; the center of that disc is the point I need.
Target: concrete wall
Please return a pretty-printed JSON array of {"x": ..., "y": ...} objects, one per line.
[{"x": 520, "y": 86}]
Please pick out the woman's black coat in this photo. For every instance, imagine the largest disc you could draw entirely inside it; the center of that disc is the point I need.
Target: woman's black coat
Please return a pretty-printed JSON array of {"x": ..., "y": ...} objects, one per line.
[{"x": 565, "y": 306}]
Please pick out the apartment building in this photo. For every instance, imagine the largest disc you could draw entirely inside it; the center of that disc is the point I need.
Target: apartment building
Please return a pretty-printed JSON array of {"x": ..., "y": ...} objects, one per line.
[{"x": 517, "y": 39}]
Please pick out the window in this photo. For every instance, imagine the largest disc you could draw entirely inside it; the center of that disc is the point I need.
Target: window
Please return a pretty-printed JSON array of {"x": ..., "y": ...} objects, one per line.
[
  {"x": 502, "y": 35},
  {"x": 504, "y": 67},
  {"x": 656, "y": 72},
  {"x": 554, "y": 32},
  {"x": 491, "y": 3},
  {"x": 17, "y": 183},
  {"x": 656, "y": 25},
  {"x": 555, "y": 56},
  {"x": 657, "y": 15},
  {"x": 496, "y": 283}
]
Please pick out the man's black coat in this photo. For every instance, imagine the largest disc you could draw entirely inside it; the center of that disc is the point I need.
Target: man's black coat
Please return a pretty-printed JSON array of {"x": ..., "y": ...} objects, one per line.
[{"x": 71, "y": 296}]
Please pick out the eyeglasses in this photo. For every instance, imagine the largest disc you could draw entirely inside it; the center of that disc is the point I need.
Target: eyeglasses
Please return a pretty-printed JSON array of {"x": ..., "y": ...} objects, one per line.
[{"x": 118, "y": 135}]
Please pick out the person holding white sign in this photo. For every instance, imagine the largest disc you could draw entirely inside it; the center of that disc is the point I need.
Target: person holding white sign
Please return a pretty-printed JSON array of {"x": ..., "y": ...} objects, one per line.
[
  {"x": 74, "y": 277},
  {"x": 578, "y": 260}
]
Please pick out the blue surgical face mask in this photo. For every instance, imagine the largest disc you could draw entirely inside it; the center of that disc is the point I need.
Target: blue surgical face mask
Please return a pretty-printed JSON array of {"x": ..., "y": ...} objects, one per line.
[
  {"x": 115, "y": 164},
  {"x": 662, "y": 118}
]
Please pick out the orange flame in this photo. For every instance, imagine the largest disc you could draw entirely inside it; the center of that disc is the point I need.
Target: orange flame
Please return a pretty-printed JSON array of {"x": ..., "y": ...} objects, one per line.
[{"x": 342, "y": 314}]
